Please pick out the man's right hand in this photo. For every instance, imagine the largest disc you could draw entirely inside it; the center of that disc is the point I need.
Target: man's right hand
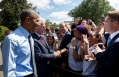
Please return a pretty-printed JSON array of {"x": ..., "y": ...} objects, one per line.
[
  {"x": 57, "y": 54},
  {"x": 64, "y": 50}
]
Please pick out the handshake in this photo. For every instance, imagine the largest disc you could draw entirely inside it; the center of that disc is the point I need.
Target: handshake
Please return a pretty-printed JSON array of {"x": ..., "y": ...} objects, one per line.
[{"x": 59, "y": 52}]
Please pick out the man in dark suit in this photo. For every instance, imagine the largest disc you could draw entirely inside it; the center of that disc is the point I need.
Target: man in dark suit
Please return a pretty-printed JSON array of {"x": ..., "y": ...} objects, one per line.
[
  {"x": 66, "y": 36},
  {"x": 43, "y": 55},
  {"x": 65, "y": 41},
  {"x": 109, "y": 59}
]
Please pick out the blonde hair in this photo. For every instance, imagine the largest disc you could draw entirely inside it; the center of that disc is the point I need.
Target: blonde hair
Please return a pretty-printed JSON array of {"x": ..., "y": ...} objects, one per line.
[{"x": 114, "y": 15}]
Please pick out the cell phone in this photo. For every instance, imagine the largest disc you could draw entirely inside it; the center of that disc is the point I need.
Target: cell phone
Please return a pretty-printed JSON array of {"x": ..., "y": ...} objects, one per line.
[
  {"x": 103, "y": 19},
  {"x": 100, "y": 45},
  {"x": 90, "y": 23}
]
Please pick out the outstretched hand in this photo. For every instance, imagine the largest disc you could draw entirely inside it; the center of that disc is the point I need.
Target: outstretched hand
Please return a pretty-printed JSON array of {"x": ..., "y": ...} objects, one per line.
[
  {"x": 64, "y": 50},
  {"x": 89, "y": 57},
  {"x": 97, "y": 49},
  {"x": 57, "y": 54}
]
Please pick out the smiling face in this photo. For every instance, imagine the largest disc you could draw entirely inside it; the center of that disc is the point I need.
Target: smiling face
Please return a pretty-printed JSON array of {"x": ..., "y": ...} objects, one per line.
[
  {"x": 92, "y": 39},
  {"x": 63, "y": 27},
  {"x": 41, "y": 28},
  {"x": 77, "y": 34},
  {"x": 29, "y": 19},
  {"x": 31, "y": 23},
  {"x": 59, "y": 34},
  {"x": 34, "y": 22},
  {"x": 50, "y": 40}
]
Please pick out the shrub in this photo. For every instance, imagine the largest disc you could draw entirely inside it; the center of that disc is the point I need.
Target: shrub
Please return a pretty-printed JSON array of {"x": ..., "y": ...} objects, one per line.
[{"x": 2, "y": 32}]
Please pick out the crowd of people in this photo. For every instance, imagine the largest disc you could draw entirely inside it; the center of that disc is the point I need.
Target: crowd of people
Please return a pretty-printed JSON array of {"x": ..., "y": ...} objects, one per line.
[{"x": 81, "y": 49}]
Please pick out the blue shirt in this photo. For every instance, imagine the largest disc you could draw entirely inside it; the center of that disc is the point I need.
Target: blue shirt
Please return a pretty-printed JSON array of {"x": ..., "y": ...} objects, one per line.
[{"x": 16, "y": 54}]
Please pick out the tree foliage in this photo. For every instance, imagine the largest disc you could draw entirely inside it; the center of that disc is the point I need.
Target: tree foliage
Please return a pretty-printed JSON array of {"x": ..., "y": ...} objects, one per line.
[
  {"x": 10, "y": 12},
  {"x": 2, "y": 32},
  {"x": 47, "y": 24},
  {"x": 91, "y": 9},
  {"x": 54, "y": 25}
]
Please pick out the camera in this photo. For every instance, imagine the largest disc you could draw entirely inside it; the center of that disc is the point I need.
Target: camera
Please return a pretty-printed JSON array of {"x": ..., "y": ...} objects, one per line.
[
  {"x": 90, "y": 23},
  {"x": 100, "y": 45}
]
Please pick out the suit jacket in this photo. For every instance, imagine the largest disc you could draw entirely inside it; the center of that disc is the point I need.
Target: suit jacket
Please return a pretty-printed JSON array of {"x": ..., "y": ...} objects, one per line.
[
  {"x": 65, "y": 41},
  {"x": 109, "y": 59},
  {"x": 43, "y": 56},
  {"x": 106, "y": 38}
]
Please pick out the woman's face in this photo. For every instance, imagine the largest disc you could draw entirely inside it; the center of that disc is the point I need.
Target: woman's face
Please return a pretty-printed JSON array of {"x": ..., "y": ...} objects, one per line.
[
  {"x": 50, "y": 40},
  {"x": 60, "y": 35},
  {"x": 77, "y": 34},
  {"x": 92, "y": 39}
]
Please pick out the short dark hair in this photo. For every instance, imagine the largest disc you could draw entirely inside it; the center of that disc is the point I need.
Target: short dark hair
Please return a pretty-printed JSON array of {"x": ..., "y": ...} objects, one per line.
[
  {"x": 27, "y": 13},
  {"x": 50, "y": 35},
  {"x": 114, "y": 15}
]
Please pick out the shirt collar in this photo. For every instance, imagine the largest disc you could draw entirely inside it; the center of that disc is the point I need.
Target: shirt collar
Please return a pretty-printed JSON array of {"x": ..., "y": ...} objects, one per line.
[
  {"x": 65, "y": 33},
  {"x": 113, "y": 34},
  {"x": 24, "y": 31},
  {"x": 39, "y": 34}
]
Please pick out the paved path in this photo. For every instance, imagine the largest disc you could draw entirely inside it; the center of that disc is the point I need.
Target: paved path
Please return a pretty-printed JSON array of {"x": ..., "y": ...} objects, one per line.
[{"x": 1, "y": 71}]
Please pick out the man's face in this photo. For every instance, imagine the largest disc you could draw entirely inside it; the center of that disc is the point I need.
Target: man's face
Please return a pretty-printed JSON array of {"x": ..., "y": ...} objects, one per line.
[
  {"x": 34, "y": 22},
  {"x": 77, "y": 19},
  {"x": 83, "y": 23},
  {"x": 63, "y": 28},
  {"x": 41, "y": 28},
  {"x": 108, "y": 24}
]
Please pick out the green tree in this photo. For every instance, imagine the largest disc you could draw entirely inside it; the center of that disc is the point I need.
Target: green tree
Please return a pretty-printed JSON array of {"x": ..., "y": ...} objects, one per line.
[
  {"x": 91, "y": 9},
  {"x": 54, "y": 25},
  {"x": 2, "y": 32},
  {"x": 47, "y": 24},
  {"x": 10, "y": 12}
]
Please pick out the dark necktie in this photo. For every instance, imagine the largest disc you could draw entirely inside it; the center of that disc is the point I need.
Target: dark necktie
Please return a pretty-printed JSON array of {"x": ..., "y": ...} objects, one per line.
[
  {"x": 42, "y": 39},
  {"x": 109, "y": 39},
  {"x": 32, "y": 55}
]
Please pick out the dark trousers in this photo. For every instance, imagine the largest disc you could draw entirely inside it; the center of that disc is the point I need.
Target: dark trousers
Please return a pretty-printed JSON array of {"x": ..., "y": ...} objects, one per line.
[{"x": 31, "y": 75}]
